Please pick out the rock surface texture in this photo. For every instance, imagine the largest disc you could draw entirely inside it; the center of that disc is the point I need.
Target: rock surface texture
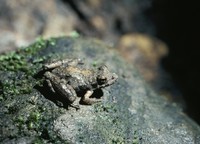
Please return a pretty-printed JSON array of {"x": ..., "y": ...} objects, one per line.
[{"x": 131, "y": 112}]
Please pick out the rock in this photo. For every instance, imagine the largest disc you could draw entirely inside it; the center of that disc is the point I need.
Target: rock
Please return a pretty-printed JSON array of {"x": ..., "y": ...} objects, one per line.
[{"x": 131, "y": 112}]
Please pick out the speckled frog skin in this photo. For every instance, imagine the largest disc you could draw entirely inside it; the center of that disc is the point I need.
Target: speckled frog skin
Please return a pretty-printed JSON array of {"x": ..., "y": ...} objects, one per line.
[{"x": 68, "y": 77}]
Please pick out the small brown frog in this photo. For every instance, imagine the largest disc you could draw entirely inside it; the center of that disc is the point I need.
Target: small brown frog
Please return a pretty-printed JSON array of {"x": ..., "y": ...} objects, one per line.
[{"x": 67, "y": 78}]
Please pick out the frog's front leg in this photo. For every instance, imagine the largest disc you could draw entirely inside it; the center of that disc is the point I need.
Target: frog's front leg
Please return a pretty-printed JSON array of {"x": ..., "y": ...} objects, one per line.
[
  {"x": 110, "y": 82},
  {"x": 89, "y": 101},
  {"x": 50, "y": 85},
  {"x": 67, "y": 62}
]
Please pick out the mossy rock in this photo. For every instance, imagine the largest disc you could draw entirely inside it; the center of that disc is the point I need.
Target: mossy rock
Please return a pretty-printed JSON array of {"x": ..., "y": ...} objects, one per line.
[{"x": 130, "y": 111}]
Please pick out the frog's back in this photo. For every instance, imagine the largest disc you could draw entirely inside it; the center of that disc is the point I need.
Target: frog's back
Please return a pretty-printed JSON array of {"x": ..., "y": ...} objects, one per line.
[
  {"x": 78, "y": 78},
  {"x": 76, "y": 70}
]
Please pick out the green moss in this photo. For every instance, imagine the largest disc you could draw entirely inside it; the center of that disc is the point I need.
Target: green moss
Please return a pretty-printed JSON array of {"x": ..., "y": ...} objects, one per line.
[
  {"x": 22, "y": 59},
  {"x": 20, "y": 122},
  {"x": 12, "y": 61},
  {"x": 33, "y": 120},
  {"x": 19, "y": 60},
  {"x": 16, "y": 86},
  {"x": 35, "y": 116},
  {"x": 35, "y": 123},
  {"x": 25, "y": 62},
  {"x": 74, "y": 34},
  {"x": 52, "y": 41},
  {"x": 94, "y": 64}
]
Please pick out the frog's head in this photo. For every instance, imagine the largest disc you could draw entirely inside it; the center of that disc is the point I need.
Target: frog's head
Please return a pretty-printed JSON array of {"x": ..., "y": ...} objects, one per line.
[{"x": 105, "y": 77}]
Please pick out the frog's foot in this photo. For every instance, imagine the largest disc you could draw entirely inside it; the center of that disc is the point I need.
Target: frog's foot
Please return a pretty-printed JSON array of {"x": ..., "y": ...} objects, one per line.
[
  {"x": 77, "y": 107},
  {"x": 89, "y": 101},
  {"x": 50, "y": 86},
  {"x": 67, "y": 62}
]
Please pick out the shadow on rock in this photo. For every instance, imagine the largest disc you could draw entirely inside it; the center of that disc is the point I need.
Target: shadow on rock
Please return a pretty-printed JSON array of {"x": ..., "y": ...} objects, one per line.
[{"x": 61, "y": 101}]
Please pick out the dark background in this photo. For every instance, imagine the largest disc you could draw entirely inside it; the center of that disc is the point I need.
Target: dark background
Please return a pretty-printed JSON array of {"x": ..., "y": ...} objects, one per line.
[{"x": 177, "y": 23}]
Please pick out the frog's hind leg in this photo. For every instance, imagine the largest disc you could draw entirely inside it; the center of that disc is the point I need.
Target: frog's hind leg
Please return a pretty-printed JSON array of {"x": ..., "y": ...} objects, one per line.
[
  {"x": 61, "y": 87},
  {"x": 89, "y": 101},
  {"x": 68, "y": 93},
  {"x": 65, "y": 90},
  {"x": 66, "y": 62}
]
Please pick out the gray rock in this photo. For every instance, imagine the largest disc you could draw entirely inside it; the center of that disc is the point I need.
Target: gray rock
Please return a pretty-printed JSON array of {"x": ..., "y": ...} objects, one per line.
[{"x": 131, "y": 112}]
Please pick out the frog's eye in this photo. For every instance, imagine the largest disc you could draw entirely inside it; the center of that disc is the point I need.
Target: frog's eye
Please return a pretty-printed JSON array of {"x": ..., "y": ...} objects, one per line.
[
  {"x": 102, "y": 68},
  {"x": 101, "y": 80}
]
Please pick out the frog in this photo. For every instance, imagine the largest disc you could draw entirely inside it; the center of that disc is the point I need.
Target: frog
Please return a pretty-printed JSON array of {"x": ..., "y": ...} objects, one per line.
[{"x": 69, "y": 77}]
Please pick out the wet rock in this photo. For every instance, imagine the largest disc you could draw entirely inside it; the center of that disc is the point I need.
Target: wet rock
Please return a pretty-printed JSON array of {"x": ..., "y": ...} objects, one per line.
[{"x": 131, "y": 112}]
